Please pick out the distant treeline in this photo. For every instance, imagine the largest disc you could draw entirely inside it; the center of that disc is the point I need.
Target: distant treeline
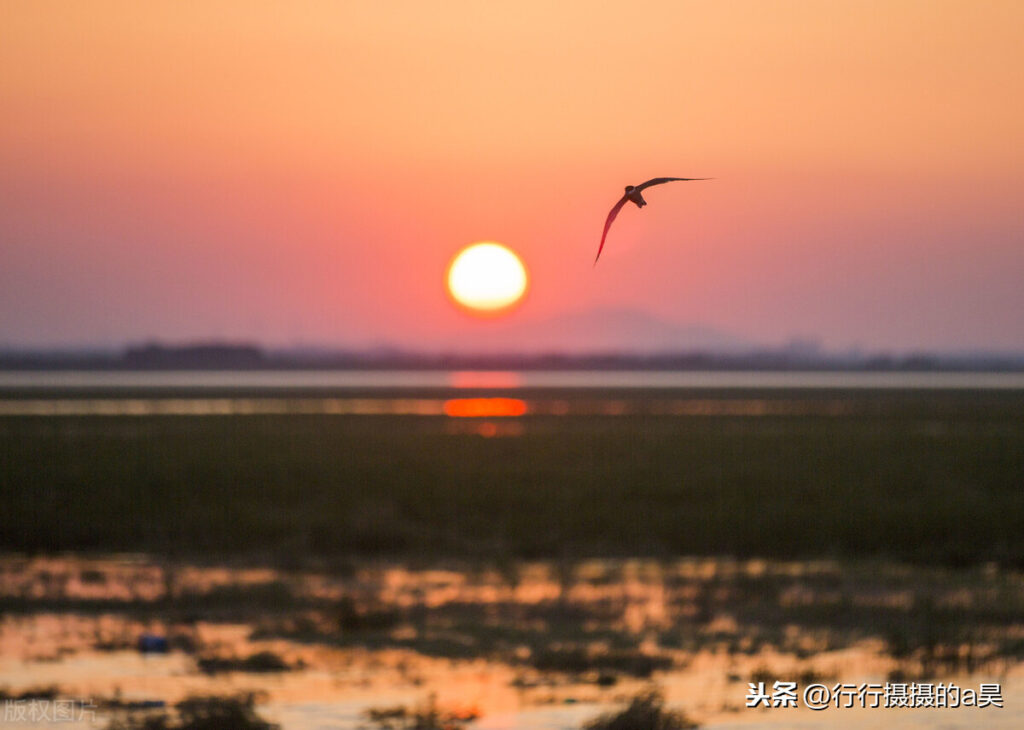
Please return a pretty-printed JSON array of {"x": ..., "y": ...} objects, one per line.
[
  {"x": 228, "y": 356},
  {"x": 220, "y": 356}
]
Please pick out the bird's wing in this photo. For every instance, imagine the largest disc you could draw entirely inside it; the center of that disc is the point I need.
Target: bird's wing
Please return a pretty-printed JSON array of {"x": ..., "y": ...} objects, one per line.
[
  {"x": 660, "y": 180},
  {"x": 608, "y": 224}
]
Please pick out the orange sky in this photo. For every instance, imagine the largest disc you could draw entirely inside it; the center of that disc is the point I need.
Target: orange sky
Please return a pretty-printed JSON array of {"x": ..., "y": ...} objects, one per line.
[{"x": 303, "y": 172}]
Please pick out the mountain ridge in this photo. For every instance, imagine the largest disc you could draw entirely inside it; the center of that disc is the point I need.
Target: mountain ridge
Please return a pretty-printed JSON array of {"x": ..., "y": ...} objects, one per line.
[{"x": 597, "y": 330}]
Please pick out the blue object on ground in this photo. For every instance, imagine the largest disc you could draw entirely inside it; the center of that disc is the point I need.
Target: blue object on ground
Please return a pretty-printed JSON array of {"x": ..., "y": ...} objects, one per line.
[{"x": 153, "y": 644}]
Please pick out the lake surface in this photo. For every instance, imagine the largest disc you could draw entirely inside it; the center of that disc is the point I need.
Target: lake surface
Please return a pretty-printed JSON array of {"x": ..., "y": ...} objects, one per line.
[{"x": 505, "y": 380}]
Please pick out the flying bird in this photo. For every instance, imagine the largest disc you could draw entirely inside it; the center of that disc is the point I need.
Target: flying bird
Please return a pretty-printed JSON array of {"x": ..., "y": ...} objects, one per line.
[{"x": 633, "y": 194}]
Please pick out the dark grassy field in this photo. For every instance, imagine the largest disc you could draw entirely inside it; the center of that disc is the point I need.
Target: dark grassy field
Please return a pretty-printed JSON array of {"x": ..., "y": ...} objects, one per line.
[{"x": 928, "y": 476}]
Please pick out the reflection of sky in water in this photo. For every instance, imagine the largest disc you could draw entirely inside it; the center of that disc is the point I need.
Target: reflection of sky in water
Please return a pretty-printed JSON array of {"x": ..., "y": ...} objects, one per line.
[
  {"x": 451, "y": 407},
  {"x": 570, "y": 379},
  {"x": 337, "y": 683}
]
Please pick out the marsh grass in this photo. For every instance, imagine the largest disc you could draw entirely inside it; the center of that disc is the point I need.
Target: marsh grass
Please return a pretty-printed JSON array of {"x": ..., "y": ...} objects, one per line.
[
  {"x": 579, "y": 660},
  {"x": 427, "y": 716},
  {"x": 198, "y": 713},
  {"x": 923, "y": 476},
  {"x": 646, "y": 711},
  {"x": 49, "y": 692},
  {"x": 260, "y": 662}
]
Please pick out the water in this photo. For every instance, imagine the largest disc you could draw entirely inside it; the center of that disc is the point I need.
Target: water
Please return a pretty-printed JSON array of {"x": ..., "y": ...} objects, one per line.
[
  {"x": 194, "y": 380},
  {"x": 90, "y": 657},
  {"x": 443, "y": 393}
]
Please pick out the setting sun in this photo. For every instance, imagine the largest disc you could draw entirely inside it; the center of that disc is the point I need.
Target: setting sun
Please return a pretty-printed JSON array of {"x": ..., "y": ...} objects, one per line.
[{"x": 487, "y": 278}]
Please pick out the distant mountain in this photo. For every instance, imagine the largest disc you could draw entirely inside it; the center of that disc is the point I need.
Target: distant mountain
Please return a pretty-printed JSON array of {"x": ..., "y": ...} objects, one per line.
[{"x": 599, "y": 330}]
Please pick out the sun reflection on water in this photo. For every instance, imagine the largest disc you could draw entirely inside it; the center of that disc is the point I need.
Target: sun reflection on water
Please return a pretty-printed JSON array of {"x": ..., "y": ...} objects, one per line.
[{"x": 484, "y": 407}]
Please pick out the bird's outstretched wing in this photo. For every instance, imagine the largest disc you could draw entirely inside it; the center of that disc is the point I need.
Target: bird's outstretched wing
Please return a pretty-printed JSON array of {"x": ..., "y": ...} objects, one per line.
[
  {"x": 660, "y": 180},
  {"x": 608, "y": 224}
]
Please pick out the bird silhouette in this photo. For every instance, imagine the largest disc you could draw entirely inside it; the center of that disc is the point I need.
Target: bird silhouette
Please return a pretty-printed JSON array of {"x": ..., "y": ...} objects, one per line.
[{"x": 633, "y": 195}]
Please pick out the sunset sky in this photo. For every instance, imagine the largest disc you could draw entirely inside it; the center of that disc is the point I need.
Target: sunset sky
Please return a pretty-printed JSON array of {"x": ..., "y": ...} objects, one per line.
[{"x": 303, "y": 172}]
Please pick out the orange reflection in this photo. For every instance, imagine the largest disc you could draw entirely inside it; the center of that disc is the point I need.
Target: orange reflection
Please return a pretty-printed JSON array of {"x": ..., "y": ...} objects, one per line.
[
  {"x": 484, "y": 407},
  {"x": 487, "y": 429},
  {"x": 486, "y": 379}
]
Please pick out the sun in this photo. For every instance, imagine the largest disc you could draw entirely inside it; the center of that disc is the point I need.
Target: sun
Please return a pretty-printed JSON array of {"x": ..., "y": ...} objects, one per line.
[{"x": 487, "y": 278}]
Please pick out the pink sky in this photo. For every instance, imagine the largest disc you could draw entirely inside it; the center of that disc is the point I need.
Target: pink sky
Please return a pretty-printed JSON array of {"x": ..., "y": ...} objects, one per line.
[{"x": 303, "y": 172}]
